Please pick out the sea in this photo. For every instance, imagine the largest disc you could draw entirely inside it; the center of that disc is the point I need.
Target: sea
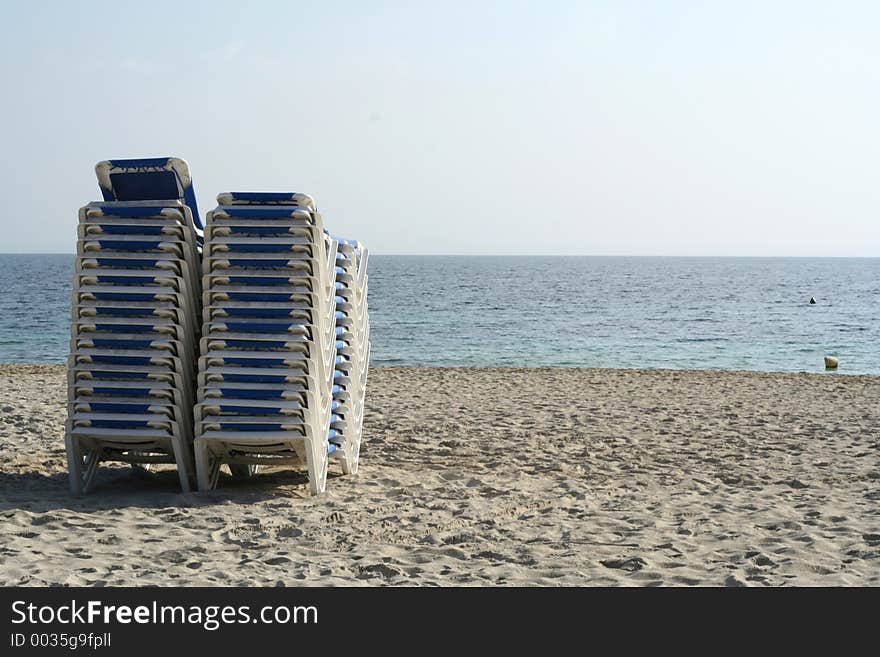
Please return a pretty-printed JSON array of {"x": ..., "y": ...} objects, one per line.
[{"x": 617, "y": 312}]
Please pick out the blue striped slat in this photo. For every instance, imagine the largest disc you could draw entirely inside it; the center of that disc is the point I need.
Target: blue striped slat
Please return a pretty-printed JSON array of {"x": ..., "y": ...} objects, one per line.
[
  {"x": 101, "y": 374},
  {"x": 118, "y": 245},
  {"x": 258, "y": 280},
  {"x": 122, "y": 392},
  {"x": 255, "y": 426},
  {"x": 120, "y": 424},
  {"x": 257, "y": 327},
  {"x": 122, "y": 360},
  {"x": 253, "y": 378},
  {"x": 124, "y": 312},
  {"x": 259, "y": 296},
  {"x": 247, "y": 410},
  {"x": 122, "y": 344},
  {"x": 131, "y": 230},
  {"x": 127, "y": 280},
  {"x": 260, "y": 212},
  {"x": 257, "y": 312},
  {"x": 125, "y": 296},
  {"x": 251, "y": 394},
  {"x": 125, "y": 328},
  {"x": 126, "y": 262},
  {"x": 259, "y": 230},
  {"x": 258, "y": 264},
  {"x": 110, "y": 407},
  {"x": 254, "y": 362},
  {"x": 254, "y": 344}
]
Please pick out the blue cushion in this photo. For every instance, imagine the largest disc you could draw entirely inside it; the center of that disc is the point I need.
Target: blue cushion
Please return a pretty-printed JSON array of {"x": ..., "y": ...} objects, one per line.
[
  {"x": 257, "y": 312},
  {"x": 259, "y": 230},
  {"x": 144, "y": 185},
  {"x": 162, "y": 183},
  {"x": 263, "y": 197},
  {"x": 126, "y": 328},
  {"x": 254, "y": 344},
  {"x": 259, "y": 296},
  {"x": 258, "y": 264},
  {"x": 248, "y": 410},
  {"x": 259, "y": 212},
  {"x": 119, "y": 245},
  {"x": 132, "y": 230},
  {"x": 254, "y": 378},
  {"x": 258, "y": 280},
  {"x": 123, "y": 392},
  {"x": 120, "y": 424},
  {"x": 126, "y": 262},
  {"x": 122, "y": 344},
  {"x": 253, "y": 426},
  {"x": 251, "y": 394},
  {"x": 122, "y": 360},
  {"x": 111, "y": 407},
  {"x": 254, "y": 362},
  {"x": 101, "y": 374}
]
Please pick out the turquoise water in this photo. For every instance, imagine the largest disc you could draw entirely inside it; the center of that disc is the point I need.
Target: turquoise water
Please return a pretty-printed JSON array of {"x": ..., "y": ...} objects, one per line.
[{"x": 714, "y": 313}]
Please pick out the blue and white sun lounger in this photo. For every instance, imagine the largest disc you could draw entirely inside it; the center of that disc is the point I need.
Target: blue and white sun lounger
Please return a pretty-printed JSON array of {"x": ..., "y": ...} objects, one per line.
[
  {"x": 135, "y": 310},
  {"x": 242, "y": 342},
  {"x": 148, "y": 179},
  {"x": 267, "y": 350},
  {"x": 352, "y": 334}
]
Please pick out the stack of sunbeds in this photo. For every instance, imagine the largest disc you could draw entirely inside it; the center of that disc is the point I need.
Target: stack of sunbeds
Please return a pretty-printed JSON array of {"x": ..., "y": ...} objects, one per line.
[
  {"x": 268, "y": 347},
  {"x": 352, "y": 334},
  {"x": 136, "y": 301},
  {"x": 244, "y": 342}
]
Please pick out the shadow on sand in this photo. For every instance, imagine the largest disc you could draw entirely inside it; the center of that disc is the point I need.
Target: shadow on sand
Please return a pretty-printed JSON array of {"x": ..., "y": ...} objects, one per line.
[{"x": 122, "y": 487}]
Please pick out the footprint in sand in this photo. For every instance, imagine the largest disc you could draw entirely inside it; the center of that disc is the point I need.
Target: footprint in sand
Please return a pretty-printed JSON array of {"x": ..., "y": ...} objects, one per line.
[
  {"x": 380, "y": 569},
  {"x": 289, "y": 532},
  {"x": 276, "y": 561},
  {"x": 631, "y": 565}
]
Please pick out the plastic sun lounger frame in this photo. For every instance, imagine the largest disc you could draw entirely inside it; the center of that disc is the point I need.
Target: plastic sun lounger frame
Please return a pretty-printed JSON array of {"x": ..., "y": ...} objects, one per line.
[
  {"x": 135, "y": 321},
  {"x": 254, "y": 351},
  {"x": 353, "y": 347},
  {"x": 148, "y": 179},
  {"x": 268, "y": 338}
]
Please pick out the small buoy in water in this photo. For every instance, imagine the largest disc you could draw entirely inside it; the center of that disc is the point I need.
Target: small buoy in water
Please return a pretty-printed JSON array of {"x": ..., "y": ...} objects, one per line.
[
  {"x": 830, "y": 363},
  {"x": 812, "y": 301}
]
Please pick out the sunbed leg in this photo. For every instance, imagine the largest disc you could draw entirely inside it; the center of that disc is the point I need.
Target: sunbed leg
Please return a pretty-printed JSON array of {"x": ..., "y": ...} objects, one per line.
[
  {"x": 203, "y": 466},
  {"x": 183, "y": 463},
  {"x": 207, "y": 466},
  {"x": 355, "y": 458},
  {"x": 349, "y": 459},
  {"x": 74, "y": 462},
  {"x": 215, "y": 462},
  {"x": 93, "y": 458},
  {"x": 344, "y": 461},
  {"x": 317, "y": 462}
]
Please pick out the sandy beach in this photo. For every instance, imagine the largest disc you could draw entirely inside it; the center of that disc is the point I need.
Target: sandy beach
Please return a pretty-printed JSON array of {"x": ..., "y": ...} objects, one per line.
[{"x": 485, "y": 477}]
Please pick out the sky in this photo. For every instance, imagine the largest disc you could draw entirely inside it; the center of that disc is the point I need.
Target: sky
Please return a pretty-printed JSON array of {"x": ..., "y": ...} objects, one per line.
[{"x": 571, "y": 128}]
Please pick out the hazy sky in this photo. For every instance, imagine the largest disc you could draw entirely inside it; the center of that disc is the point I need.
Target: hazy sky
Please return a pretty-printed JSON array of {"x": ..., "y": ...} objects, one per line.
[{"x": 643, "y": 128}]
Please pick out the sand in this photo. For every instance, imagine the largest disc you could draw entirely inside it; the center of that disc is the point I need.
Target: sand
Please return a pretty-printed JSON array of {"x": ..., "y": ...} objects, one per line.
[{"x": 485, "y": 477}]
